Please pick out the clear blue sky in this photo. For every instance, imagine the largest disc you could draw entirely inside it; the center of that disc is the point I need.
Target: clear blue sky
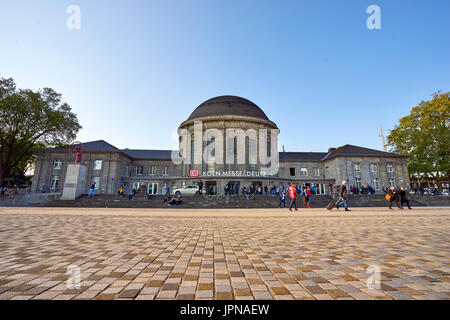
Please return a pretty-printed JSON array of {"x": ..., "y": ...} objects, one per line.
[{"x": 136, "y": 69}]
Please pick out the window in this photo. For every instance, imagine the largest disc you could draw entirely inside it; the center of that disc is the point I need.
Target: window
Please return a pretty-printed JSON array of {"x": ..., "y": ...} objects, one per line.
[
  {"x": 139, "y": 170},
  {"x": 57, "y": 164},
  {"x": 392, "y": 182},
  {"x": 316, "y": 172},
  {"x": 97, "y": 182},
  {"x": 358, "y": 182},
  {"x": 165, "y": 170},
  {"x": 152, "y": 171},
  {"x": 376, "y": 184},
  {"x": 97, "y": 164},
  {"x": 373, "y": 167},
  {"x": 54, "y": 183},
  {"x": 292, "y": 171},
  {"x": 304, "y": 172},
  {"x": 126, "y": 184},
  {"x": 357, "y": 167},
  {"x": 389, "y": 168},
  {"x": 127, "y": 171}
]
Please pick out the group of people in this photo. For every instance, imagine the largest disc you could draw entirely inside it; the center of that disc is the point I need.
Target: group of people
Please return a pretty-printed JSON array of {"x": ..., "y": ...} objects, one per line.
[
  {"x": 121, "y": 192},
  {"x": 293, "y": 191},
  {"x": 366, "y": 189},
  {"x": 396, "y": 195},
  {"x": 393, "y": 194},
  {"x": 172, "y": 201}
]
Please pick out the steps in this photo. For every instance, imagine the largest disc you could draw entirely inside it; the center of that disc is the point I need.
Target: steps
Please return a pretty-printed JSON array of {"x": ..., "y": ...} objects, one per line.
[
  {"x": 220, "y": 201},
  {"x": 195, "y": 201}
]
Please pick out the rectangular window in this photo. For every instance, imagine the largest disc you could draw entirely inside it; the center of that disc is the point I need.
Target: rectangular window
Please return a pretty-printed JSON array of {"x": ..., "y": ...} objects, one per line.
[
  {"x": 373, "y": 167},
  {"x": 97, "y": 182},
  {"x": 152, "y": 171},
  {"x": 292, "y": 172},
  {"x": 376, "y": 184},
  {"x": 316, "y": 172},
  {"x": 54, "y": 183},
  {"x": 139, "y": 170},
  {"x": 358, "y": 182},
  {"x": 389, "y": 168},
  {"x": 98, "y": 164},
  {"x": 57, "y": 164},
  {"x": 127, "y": 171},
  {"x": 392, "y": 182},
  {"x": 165, "y": 170},
  {"x": 357, "y": 167},
  {"x": 126, "y": 184},
  {"x": 304, "y": 172}
]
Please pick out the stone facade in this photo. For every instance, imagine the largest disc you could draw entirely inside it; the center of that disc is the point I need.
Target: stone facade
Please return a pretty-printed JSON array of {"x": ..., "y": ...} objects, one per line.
[{"x": 152, "y": 170}]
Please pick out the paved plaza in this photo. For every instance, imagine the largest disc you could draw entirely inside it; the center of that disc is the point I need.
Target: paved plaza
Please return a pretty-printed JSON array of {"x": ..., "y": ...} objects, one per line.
[{"x": 224, "y": 254}]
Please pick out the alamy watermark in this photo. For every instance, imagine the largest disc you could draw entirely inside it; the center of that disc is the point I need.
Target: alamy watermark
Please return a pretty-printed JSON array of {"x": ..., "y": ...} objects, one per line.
[
  {"x": 374, "y": 280},
  {"x": 74, "y": 279},
  {"x": 374, "y": 20},
  {"x": 74, "y": 20},
  {"x": 229, "y": 146}
]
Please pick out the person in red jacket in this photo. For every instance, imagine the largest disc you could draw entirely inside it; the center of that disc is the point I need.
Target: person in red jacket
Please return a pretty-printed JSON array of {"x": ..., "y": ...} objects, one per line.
[{"x": 293, "y": 194}]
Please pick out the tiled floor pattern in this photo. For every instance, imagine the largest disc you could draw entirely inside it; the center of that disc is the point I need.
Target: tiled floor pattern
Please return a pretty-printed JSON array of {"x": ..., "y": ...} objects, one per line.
[{"x": 252, "y": 255}]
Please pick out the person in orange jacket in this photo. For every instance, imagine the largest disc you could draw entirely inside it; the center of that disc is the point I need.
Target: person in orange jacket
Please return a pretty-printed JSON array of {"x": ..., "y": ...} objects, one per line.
[{"x": 293, "y": 194}]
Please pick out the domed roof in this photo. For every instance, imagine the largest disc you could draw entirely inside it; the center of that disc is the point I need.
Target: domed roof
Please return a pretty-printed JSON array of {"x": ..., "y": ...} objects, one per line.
[{"x": 228, "y": 105}]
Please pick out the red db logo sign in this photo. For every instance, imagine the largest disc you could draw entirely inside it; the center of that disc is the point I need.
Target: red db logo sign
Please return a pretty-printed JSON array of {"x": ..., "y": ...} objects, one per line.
[{"x": 193, "y": 173}]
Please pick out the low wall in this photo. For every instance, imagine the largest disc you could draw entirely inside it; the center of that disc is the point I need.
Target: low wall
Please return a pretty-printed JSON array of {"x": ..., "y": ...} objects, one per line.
[{"x": 31, "y": 199}]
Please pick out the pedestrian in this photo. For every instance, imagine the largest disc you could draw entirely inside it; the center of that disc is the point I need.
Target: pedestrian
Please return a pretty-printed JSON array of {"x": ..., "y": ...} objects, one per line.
[
  {"x": 236, "y": 188},
  {"x": 309, "y": 197},
  {"x": 168, "y": 189},
  {"x": 293, "y": 195},
  {"x": 92, "y": 191},
  {"x": 282, "y": 200},
  {"x": 404, "y": 198},
  {"x": 200, "y": 187},
  {"x": 392, "y": 196},
  {"x": 343, "y": 196}
]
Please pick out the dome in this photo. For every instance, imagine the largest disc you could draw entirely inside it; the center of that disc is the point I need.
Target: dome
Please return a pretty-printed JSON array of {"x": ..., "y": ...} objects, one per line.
[{"x": 228, "y": 105}]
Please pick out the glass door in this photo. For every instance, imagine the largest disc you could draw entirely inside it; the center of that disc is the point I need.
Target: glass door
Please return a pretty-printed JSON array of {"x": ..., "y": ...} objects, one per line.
[{"x": 152, "y": 188}]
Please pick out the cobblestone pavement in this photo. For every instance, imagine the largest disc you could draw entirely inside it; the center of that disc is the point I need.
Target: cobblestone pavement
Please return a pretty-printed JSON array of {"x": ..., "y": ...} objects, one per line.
[{"x": 224, "y": 254}]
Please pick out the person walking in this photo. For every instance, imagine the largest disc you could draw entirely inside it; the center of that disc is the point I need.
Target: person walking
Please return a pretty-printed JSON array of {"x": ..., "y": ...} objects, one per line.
[
  {"x": 404, "y": 198},
  {"x": 92, "y": 191},
  {"x": 307, "y": 198},
  {"x": 168, "y": 189},
  {"x": 200, "y": 187},
  {"x": 393, "y": 196},
  {"x": 293, "y": 195},
  {"x": 282, "y": 200},
  {"x": 343, "y": 196}
]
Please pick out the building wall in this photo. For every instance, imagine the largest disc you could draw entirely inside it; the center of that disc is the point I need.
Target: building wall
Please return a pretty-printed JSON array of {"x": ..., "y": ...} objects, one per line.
[
  {"x": 114, "y": 172},
  {"x": 343, "y": 168}
]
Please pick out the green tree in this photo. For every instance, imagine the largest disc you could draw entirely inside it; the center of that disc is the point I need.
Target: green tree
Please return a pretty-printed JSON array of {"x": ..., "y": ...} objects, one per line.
[
  {"x": 29, "y": 120},
  {"x": 424, "y": 135}
]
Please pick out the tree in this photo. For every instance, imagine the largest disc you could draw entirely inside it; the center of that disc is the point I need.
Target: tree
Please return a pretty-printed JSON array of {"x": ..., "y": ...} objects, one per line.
[
  {"x": 29, "y": 120},
  {"x": 424, "y": 135}
]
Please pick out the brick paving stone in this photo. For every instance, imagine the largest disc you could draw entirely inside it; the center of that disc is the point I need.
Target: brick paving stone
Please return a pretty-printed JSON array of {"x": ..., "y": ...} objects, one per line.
[
  {"x": 129, "y": 293},
  {"x": 205, "y": 294},
  {"x": 157, "y": 254}
]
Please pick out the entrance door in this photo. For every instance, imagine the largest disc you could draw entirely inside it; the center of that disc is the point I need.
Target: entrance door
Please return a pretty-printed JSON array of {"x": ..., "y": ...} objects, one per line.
[
  {"x": 152, "y": 188},
  {"x": 136, "y": 185},
  {"x": 209, "y": 186},
  {"x": 233, "y": 187}
]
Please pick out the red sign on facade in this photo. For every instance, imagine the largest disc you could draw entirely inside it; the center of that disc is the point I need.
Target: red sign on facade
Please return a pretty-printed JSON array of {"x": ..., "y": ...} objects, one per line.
[{"x": 193, "y": 173}]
